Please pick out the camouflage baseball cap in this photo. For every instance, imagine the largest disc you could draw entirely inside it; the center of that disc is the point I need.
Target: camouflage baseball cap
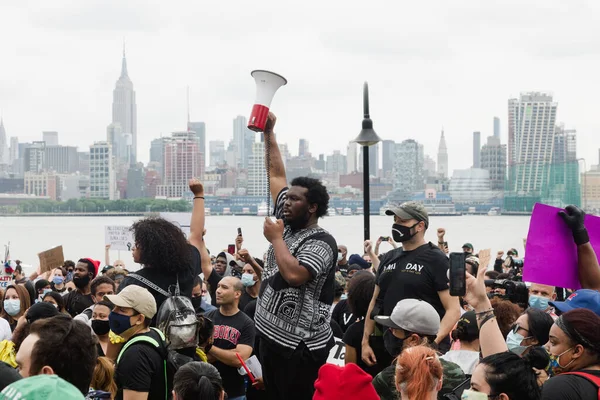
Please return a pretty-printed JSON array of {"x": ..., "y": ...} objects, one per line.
[{"x": 410, "y": 210}]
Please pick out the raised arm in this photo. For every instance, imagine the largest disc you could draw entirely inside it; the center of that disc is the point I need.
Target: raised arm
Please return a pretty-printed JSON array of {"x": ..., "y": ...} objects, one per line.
[
  {"x": 197, "y": 227},
  {"x": 245, "y": 256},
  {"x": 107, "y": 254},
  {"x": 273, "y": 160}
]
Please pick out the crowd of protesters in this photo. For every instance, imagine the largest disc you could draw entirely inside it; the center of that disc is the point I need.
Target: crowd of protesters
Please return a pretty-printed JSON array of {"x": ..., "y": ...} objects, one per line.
[{"x": 188, "y": 325}]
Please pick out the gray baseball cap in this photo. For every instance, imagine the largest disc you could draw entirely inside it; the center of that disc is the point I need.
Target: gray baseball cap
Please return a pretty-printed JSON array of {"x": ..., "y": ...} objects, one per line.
[
  {"x": 412, "y": 315},
  {"x": 410, "y": 210}
]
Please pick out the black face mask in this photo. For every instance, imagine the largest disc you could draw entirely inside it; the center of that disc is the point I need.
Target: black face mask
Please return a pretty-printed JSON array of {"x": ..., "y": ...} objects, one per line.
[
  {"x": 392, "y": 344},
  {"x": 401, "y": 233},
  {"x": 81, "y": 282},
  {"x": 100, "y": 327},
  {"x": 196, "y": 301}
]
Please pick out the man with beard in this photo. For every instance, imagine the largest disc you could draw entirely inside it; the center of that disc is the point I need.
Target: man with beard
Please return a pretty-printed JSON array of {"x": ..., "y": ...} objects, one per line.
[
  {"x": 292, "y": 311},
  {"x": 81, "y": 298}
]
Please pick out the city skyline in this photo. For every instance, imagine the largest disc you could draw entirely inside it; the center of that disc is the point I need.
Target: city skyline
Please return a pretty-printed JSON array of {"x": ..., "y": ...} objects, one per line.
[{"x": 436, "y": 61}]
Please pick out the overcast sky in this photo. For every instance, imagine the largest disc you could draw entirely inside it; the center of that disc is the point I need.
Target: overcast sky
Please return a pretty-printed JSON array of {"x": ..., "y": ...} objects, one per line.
[{"x": 429, "y": 64}]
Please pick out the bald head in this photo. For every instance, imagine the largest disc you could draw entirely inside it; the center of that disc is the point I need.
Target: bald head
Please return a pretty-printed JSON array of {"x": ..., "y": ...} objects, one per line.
[{"x": 229, "y": 291}]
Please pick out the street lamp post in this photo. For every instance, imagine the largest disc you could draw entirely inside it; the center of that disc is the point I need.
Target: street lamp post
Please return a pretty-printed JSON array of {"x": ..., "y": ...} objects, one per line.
[{"x": 366, "y": 138}]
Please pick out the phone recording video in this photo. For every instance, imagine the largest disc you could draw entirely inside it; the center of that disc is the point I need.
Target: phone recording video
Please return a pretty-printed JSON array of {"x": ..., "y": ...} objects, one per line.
[
  {"x": 231, "y": 249},
  {"x": 457, "y": 275}
]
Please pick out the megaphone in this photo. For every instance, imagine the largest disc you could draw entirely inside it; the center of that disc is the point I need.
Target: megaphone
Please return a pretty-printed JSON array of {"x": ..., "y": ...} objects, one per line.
[{"x": 267, "y": 84}]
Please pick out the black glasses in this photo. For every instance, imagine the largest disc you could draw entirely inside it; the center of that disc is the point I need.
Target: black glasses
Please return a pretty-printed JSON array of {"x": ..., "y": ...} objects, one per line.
[{"x": 516, "y": 327}]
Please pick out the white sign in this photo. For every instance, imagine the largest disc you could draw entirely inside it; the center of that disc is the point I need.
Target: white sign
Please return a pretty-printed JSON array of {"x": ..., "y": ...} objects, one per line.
[
  {"x": 5, "y": 280},
  {"x": 337, "y": 354},
  {"x": 119, "y": 237},
  {"x": 182, "y": 220}
]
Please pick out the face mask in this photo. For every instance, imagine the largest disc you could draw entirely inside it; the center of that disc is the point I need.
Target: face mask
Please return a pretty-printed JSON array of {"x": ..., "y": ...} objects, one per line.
[
  {"x": 248, "y": 280},
  {"x": 81, "y": 282},
  {"x": 340, "y": 256},
  {"x": 57, "y": 280},
  {"x": 401, "y": 233},
  {"x": 539, "y": 302},
  {"x": 344, "y": 296},
  {"x": 100, "y": 327},
  {"x": 513, "y": 341},
  {"x": 555, "y": 363},
  {"x": 392, "y": 344},
  {"x": 469, "y": 394},
  {"x": 196, "y": 302},
  {"x": 12, "y": 307},
  {"x": 119, "y": 323}
]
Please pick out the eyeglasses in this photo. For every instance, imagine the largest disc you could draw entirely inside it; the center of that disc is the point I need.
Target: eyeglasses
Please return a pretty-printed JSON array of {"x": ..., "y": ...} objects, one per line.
[{"x": 515, "y": 328}]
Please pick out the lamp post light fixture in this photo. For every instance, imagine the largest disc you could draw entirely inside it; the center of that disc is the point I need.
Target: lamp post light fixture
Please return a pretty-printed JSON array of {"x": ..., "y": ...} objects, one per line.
[{"x": 366, "y": 138}]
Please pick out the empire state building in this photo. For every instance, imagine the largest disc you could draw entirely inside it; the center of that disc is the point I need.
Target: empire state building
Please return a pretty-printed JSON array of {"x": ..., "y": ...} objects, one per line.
[{"x": 124, "y": 117}]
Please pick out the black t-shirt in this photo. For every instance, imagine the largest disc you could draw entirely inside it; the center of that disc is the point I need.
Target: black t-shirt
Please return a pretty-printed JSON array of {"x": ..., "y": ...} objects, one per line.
[
  {"x": 76, "y": 302},
  {"x": 343, "y": 268},
  {"x": 353, "y": 338},
  {"x": 141, "y": 368},
  {"x": 402, "y": 276},
  {"x": 8, "y": 375},
  {"x": 342, "y": 315},
  {"x": 166, "y": 280},
  {"x": 213, "y": 281},
  {"x": 570, "y": 387},
  {"x": 229, "y": 332},
  {"x": 245, "y": 299}
]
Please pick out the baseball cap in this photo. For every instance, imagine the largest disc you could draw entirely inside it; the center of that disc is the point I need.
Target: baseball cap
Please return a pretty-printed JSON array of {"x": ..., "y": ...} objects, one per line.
[
  {"x": 41, "y": 387},
  {"x": 410, "y": 210},
  {"x": 582, "y": 298},
  {"x": 135, "y": 297},
  {"x": 347, "y": 382},
  {"x": 468, "y": 246},
  {"x": 468, "y": 323},
  {"x": 40, "y": 311},
  {"x": 412, "y": 315},
  {"x": 358, "y": 260}
]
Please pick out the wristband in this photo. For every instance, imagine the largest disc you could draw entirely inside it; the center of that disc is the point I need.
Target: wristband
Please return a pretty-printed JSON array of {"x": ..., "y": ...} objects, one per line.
[
  {"x": 199, "y": 197},
  {"x": 486, "y": 319},
  {"x": 485, "y": 311},
  {"x": 581, "y": 237}
]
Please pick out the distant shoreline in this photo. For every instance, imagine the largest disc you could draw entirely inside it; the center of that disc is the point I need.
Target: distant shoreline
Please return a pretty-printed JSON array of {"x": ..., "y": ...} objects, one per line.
[{"x": 143, "y": 214}]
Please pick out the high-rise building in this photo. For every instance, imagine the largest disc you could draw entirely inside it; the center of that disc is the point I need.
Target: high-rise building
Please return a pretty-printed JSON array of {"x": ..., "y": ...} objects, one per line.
[
  {"x": 476, "y": 149},
  {"x": 84, "y": 162},
  {"x": 217, "y": 153},
  {"x": 352, "y": 157},
  {"x": 121, "y": 143},
  {"x": 157, "y": 147},
  {"x": 497, "y": 127},
  {"x": 43, "y": 184},
  {"x": 61, "y": 159},
  {"x": 50, "y": 138},
  {"x": 243, "y": 139},
  {"x": 14, "y": 149},
  {"x": 200, "y": 129},
  {"x": 336, "y": 163},
  {"x": 136, "y": 184},
  {"x": 565, "y": 145},
  {"x": 374, "y": 160},
  {"x": 124, "y": 111},
  {"x": 442, "y": 158},
  {"x": 493, "y": 159},
  {"x": 303, "y": 150},
  {"x": 408, "y": 167},
  {"x": 33, "y": 157},
  {"x": 531, "y": 131},
  {"x": 320, "y": 163},
  {"x": 102, "y": 172},
  {"x": 257, "y": 174},
  {"x": 429, "y": 167},
  {"x": 182, "y": 161},
  {"x": 388, "y": 148},
  {"x": 4, "y": 154}
]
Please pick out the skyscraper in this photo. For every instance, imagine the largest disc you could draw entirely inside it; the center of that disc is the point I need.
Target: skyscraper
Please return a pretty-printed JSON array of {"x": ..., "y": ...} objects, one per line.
[
  {"x": 182, "y": 161},
  {"x": 102, "y": 172},
  {"x": 14, "y": 149},
  {"x": 374, "y": 160},
  {"x": 408, "y": 167},
  {"x": 531, "y": 131},
  {"x": 257, "y": 174},
  {"x": 497, "y": 127},
  {"x": 4, "y": 156},
  {"x": 200, "y": 129},
  {"x": 476, "y": 149},
  {"x": 387, "y": 157},
  {"x": 352, "y": 157},
  {"x": 493, "y": 159},
  {"x": 442, "y": 158},
  {"x": 243, "y": 138},
  {"x": 303, "y": 148},
  {"x": 217, "y": 153},
  {"x": 50, "y": 138},
  {"x": 336, "y": 163},
  {"x": 124, "y": 110}
]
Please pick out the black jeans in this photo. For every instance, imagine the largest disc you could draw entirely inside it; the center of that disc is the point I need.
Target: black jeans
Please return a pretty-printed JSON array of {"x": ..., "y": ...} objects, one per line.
[{"x": 290, "y": 378}]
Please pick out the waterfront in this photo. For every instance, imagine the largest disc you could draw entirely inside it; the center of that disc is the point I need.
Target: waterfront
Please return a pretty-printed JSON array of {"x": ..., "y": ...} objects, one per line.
[{"x": 84, "y": 236}]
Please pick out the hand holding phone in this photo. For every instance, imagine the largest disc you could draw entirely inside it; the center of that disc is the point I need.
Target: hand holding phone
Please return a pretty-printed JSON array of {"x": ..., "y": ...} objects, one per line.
[
  {"x": 457, "y": 274},
  {"x": 231, "y": 249}
]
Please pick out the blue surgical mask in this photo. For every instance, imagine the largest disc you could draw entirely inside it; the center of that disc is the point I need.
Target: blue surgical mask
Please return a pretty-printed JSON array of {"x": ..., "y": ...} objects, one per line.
[
  {"x": 344, "y": 296},
  {"x": 539, "y": 302},
  {"x": 12, "y": 307},
  {"x": 119, "y": 323},
  {"x": 248, "y": 280},
  {"x": 469, "y": 394},
  {"x": 57, "y": 280},
  {"x": 513, "y": 342}
]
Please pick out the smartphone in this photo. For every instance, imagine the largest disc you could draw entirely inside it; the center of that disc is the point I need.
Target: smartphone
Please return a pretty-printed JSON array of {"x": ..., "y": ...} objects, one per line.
[
  {"x": 384, "y": 238},
  {"x": 458, "y": 276},
  {"x": 231, "y": 249},
  {"x": 239, "y": 231}
]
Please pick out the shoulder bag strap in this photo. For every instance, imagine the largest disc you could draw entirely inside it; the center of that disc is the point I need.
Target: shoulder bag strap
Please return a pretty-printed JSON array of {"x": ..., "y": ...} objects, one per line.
[
  {"x": 150, "y": 284},
  {"x": 591, "y": 378}
]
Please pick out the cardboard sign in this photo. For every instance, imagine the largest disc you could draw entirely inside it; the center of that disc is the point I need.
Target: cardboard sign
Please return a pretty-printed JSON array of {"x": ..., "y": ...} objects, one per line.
[
  {"x": 337, "y": 354},
  {"x": 119, "y": 237},
  {"x": 51, "y": 259},
  {"x": 5, "y": 280}
]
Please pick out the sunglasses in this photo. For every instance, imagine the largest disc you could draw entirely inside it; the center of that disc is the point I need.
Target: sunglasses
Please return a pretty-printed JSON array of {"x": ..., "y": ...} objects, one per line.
[{"x": 515, "y": 328}]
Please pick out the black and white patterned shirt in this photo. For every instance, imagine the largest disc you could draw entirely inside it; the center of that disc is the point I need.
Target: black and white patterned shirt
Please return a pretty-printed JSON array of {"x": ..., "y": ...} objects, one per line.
[{"x": 288, "y": 315}]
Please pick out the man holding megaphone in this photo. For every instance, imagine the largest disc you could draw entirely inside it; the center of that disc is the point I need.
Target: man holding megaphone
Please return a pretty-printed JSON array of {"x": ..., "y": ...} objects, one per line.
[{"x": 292, "y": 312}]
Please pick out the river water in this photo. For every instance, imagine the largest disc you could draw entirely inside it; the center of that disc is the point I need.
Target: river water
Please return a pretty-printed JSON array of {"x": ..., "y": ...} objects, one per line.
[{"x": 84, "y": 236}]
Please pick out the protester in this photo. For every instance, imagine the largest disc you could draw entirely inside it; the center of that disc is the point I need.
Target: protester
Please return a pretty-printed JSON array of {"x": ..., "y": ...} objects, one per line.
[
  {"x": 338, "y": 291},
  {"x": 58, "y": 278},
  {"x": 35, "y": 312},
  {"x": 506, "y": 314},
  {"x": 472, "y": 265},
  {"x": 378, "y": 244},
  {"x": 140, "y": 368},
  {"x": 41, "y": 387},
  {"x": 198, "y": 380},
  {"x": 234, "y": 333},
  {"x": 59, "y": 346},
  {"x": 540, "y": 296},
  {"x": 531, "y": 329},
  {"x": 117, "y": 274},
  {"x": 81, "y": 298},
  {"x": 69, "y": 266},
  {"x": 103, "y": 383},
  {"x": 117, "y": 264},
  {"x": 101, "y": 286},
  {"x": 418, "y": 270},
  {"x": 418, "y": 374},
  {"x": 348, "y": 382},
  {"x": 467, "y": 332},
  {"x": 292, "y": 311},
  {"x": 341, "y": 312},
  {"x": 467, "y": 248},
  {"x": 251, "y": 277},
  {"x": 101, "y": 325},
  {"x": 199, "y": 293},
  {"x": 5, "y": 331},
  {"x": 166, "y": 258},
  {"x": 56, "y": 300},
  {"x": 357, "y": 260},
  {"x": 42, "y": 287},
  {"x": 8, "y": 375},
  {"x": 18, "y": 275},
  {"x": 342, "y": 261},
  {"x": 14, "y": 304},
  {"x": 412, "y": 323},
  {"x": 353, "y": 269},
  {"x": 582, "y": 298}
]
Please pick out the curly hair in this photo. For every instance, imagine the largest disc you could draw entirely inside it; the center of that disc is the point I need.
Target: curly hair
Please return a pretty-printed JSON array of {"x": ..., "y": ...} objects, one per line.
[
  {"x": 507, "y": 314},
  {"x": 360, "y": 292},
  {"x": 316, "y": 194},
  {"x": 161, "y": 244}
]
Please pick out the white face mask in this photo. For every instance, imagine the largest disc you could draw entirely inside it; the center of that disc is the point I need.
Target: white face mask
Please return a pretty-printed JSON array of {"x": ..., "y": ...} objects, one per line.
[
  {"x": 473, "y": 395},
  {"x": 340, "y": 256}
]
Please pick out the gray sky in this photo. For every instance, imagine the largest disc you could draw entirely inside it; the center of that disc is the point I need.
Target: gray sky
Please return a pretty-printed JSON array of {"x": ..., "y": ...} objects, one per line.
[{"x": 428, "y": 65}]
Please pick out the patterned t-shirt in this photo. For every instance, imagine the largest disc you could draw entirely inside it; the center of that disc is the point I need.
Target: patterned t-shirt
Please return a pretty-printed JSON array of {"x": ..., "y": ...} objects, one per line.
[{"x": 287, "y": 315}]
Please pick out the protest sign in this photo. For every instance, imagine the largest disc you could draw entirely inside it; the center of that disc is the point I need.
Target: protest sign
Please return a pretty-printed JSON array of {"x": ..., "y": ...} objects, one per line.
[
  {"x": 119, "y": 237},
  {"x": 337, "y": 354},
  {"x": 52, "y": 258},
  {"x": 5, "y": 280}
]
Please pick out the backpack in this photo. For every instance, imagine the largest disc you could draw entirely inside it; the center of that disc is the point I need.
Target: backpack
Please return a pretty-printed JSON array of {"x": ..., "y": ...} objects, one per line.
[
  {"x": 591, "y": 378},
  {"x": 177, "y": 319}
]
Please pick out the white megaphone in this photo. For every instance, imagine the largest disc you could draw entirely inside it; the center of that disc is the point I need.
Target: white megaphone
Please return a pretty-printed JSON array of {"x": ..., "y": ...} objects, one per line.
[{"x": 267, "y": 84}]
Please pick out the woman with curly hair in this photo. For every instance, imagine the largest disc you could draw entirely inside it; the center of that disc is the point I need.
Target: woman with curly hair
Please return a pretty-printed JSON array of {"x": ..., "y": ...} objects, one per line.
[{"x": 166, "y": 257}]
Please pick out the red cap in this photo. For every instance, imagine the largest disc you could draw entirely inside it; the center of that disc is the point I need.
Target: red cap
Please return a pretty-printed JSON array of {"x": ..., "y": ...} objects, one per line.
[
  {"x": 96, "y": 265},
  {"x": 349, "y": 382}
]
